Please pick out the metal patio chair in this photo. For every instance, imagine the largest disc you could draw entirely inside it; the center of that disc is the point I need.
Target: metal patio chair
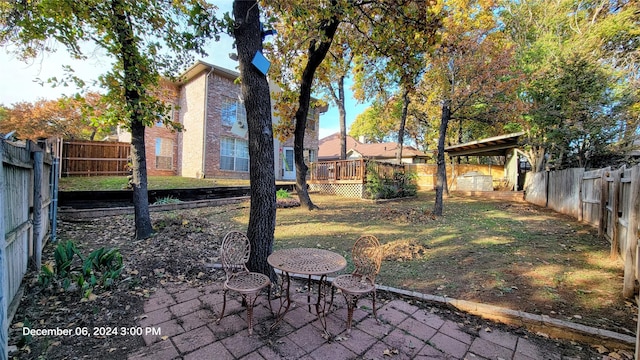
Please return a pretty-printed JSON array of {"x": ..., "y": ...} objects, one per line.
[
  {"x": 367, "y": 257},
  {"x": 234, "y": 254}
]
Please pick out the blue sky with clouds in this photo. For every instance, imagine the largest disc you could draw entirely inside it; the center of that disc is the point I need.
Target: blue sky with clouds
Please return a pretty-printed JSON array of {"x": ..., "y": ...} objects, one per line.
[{"x": 20, "y": 80}]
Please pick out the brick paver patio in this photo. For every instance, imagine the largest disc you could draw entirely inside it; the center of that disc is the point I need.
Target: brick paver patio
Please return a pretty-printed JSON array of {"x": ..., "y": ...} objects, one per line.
[{"x": 182, "y": 325}]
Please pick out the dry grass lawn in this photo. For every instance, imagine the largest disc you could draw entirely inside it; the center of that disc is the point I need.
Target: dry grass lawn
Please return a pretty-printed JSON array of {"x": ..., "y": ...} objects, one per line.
[{"x": 519, "y": 256}]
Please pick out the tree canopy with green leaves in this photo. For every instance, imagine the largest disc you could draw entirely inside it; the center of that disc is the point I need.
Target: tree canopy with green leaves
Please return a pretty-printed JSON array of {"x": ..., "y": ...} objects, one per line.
[
  {"x": 146, "y": 39},
  {"x": 306, "y": 32},
  {"x": 583, "y": 79}
]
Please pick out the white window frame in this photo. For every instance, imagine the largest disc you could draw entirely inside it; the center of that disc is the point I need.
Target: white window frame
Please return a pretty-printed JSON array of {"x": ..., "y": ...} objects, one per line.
[
  {"x": 237, "y": 156},
  {"x": 232, "y": 111}
]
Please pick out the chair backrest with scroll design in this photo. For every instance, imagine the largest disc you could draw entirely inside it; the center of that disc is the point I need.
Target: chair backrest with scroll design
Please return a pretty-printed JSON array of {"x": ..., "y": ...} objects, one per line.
[
  {"x": 367, "y": 257},
  {"x": 234, "y": 253}
]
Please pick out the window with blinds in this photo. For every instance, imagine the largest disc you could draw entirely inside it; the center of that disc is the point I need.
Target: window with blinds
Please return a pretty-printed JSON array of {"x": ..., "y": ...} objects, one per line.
[{"x": 234, "y": 154}]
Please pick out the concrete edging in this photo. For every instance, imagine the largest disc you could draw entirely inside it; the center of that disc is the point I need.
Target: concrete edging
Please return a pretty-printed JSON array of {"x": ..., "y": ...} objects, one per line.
[{"x": 539, "y": 324}]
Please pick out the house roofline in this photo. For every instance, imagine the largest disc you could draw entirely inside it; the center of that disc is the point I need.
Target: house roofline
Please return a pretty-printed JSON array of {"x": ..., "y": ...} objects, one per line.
[{"x": 200, "y": 66}]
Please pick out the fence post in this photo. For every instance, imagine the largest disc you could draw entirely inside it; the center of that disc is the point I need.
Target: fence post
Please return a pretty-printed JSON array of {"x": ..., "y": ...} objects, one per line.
[
  {"x": 38, "y": 165},
  {"x": 615, "y": 207},
  {"x": 53, "y": 211},
  {"x": 4, "y": 278},
  {"x": 604, "y": 197},
  {"x": 546, "y": 188},
  {"x": 628, "y": 288},
  {"x": 580, "y": 199}
]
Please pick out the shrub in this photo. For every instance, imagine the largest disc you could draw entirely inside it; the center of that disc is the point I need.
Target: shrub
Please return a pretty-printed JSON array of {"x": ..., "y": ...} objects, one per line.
[
  {"x": 282, "y": 194},
  {"x": 167, "y": 200},
  {"x": 401, "y": 185}
]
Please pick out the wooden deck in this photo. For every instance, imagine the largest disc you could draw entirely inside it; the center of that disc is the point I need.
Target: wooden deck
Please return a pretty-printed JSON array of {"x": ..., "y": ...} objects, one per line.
[
  {"x": 338, "y": 171},
  {"x": 350, "y": 171}
]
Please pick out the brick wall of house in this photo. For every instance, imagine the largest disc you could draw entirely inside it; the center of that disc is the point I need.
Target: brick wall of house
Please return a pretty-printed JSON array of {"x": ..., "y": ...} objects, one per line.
[
  {"x": 167, "y": 92},
  {"x": 220, "y": 87},
  {"x": 197, "y": 147},
  {"x": 151, "y": 134},
  {"x": 191, "y": 139}
]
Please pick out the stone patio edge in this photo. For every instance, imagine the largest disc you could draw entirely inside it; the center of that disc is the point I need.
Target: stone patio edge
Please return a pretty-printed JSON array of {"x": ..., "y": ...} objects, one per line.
[{"x": 539, "y": 324}]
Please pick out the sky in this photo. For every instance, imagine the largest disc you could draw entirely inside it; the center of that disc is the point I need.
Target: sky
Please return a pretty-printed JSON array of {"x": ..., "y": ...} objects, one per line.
[{"x": 21, "y": 81}]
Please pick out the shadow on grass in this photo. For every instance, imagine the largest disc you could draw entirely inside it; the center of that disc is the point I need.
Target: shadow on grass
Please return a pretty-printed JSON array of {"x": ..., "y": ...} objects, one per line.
[{"x": 515, "y": 255}]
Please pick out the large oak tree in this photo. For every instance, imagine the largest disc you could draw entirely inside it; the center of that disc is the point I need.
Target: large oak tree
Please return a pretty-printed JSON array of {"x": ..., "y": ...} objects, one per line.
[
  {"x": 306, "y": 35},
  {"x": 247, "y": 31},
  {"x": 582, "y": 85}
]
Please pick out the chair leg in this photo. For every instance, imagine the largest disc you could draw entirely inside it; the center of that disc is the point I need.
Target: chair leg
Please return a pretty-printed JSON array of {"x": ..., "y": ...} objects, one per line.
[
  {"x": 250, "y": 299},
  {"x": 224, "y": 305},
  {"x": 352, "y": 301}
]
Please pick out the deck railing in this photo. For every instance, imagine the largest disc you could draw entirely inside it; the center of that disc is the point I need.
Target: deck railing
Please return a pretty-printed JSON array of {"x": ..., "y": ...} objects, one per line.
[
  {"x": 338, "y": 171},
  {"x": 354, "y": 171}
]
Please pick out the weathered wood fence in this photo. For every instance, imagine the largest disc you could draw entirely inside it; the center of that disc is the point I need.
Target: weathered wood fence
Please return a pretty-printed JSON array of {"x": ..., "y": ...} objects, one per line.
[
  {"x": 95, "y": 158},
  {"x": 607, "y": 199},
  {"x": 25, "y": 199}
]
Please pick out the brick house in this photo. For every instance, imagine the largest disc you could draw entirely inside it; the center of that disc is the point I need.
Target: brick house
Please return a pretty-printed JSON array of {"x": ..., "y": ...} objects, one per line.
[{"x": 214, "y": 141}]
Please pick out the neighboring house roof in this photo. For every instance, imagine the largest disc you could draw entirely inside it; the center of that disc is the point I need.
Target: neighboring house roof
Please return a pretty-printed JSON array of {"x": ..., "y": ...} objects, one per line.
[
  {"x": 330, "y": 146},
  {"x": 385, "y": 150},
  {"x": 330, "y": 149}
]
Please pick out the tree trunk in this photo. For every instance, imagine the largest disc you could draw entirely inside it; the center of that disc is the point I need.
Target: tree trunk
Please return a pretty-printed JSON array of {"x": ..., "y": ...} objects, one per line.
[
  {"x": 535, "y": 156},
  {"x": 139, "y": 182},
  {"x": 257, "y": 100},
  {"x": 459, "y": 158},
  {"x": 317, "y": 53},
  {"x": 133, "y": 93},
  {"x": 343, "y": 119},
  {"x": 403, "y": 121},
  {"x": 441, "y": 176}
]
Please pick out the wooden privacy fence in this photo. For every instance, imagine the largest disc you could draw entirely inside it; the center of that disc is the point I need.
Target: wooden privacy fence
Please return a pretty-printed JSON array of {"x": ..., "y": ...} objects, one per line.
[
  {"x": 95, "y": 158},
  {"x": 25, "y": 198},
  {"x": 607, "y": 199}
]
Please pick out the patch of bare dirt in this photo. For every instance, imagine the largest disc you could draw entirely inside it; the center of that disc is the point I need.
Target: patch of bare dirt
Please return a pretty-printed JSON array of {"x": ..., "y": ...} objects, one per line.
[{"x": 287, "y": 202}]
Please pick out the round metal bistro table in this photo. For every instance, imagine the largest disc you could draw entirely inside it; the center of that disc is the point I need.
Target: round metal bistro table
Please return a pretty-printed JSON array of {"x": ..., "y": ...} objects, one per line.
[{"x": 310, "y": 262}]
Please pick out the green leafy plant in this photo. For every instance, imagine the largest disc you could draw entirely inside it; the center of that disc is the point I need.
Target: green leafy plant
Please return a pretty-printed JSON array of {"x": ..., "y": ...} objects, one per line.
[
  {"x": 101, "y": 268},
  {"x": 25, "y": 340},
  {"x": 282, "y": 194},
  {"x": 167, "y": 200}
]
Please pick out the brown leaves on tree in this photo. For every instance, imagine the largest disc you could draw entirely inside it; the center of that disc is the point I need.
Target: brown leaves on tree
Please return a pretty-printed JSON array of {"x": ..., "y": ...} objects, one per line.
[{"x": 69, "y": 118}]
